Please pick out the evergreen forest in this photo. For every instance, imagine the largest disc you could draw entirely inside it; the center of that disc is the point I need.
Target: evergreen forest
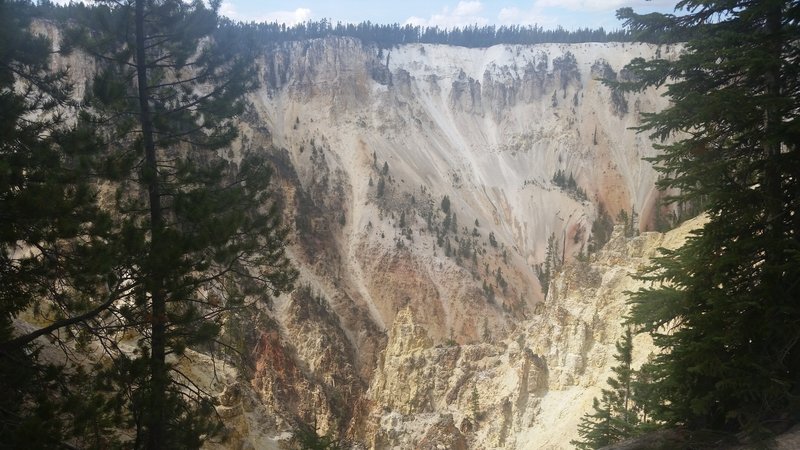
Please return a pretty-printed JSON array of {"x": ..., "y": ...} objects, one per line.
[{"x": 389, "y": 35}]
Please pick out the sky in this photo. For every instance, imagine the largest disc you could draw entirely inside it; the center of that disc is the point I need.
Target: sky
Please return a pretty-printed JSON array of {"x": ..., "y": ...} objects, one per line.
[{"x": 569, "y": 14}]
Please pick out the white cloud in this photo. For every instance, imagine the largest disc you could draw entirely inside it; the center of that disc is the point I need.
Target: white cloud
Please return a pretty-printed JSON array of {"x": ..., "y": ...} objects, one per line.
[
  {"x": 573, "y": 14},
  {"x": 290, "y": 18},
  {"x": 466, "y": 9},
  {"x": 582, "y": 5},
  {"x": 533, "y": 16},
  {"x": 465, "y": 13},
  {"x": 299, "y": 15},
  {"x": 599, "y": 5},
  {"x": 228, "y": 10}
]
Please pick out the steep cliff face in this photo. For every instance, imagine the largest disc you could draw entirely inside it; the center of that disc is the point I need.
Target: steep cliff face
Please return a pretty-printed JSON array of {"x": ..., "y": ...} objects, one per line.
[
  {"x": 377, "y": 138},
  {"x": 420, "y": 184},
  {"x": 528, "y": 390}
]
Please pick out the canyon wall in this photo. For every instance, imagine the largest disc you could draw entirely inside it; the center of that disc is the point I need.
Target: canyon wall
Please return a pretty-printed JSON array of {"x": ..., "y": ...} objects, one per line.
[
  {"x": 420, "y": 182},
  {"x": 423, "y": 184}
]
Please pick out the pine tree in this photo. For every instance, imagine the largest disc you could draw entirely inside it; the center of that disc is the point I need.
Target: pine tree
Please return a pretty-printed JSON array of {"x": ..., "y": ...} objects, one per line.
[
  {"x": 381, "y": 187},
  {"x": 446, "y": 204},
  {"x": 615, "y": 414},
  {"x": 602, "y": 228},
  {"x": 202, "y": 234},
  {"x": 621, "y": 384},
  {"x": 726, "y": 314},
  {"x": 57, "y": 251},
  {"x": 595, "y": 429},
  {"x": 552, "y": 264},
  {"x": 308, "y": 438},
  {"x": 474, "y": 404}
]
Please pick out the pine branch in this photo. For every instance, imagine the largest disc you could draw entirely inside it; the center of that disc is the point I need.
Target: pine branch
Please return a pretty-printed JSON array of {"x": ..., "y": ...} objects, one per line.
[{"x": 21, "y": 341}]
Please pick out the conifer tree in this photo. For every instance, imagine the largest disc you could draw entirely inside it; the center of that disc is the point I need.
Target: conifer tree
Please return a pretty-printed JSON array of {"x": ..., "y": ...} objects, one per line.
[
  {"x": 56, "y": 246},
  {"x": 202, "y": 234},
  {"x": 595, "y": 429},
  {"x": 552, "y": 264},
  {"x": 615, "y": 414},
  {"x": 726, "y": 314}
]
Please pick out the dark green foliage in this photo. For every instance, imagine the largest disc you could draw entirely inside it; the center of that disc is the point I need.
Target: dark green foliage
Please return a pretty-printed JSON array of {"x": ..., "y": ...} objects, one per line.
[
  {"x": 596, "y": 429},
  {"x": 645, "y": 396},
  {"x": 387, "y": 36},
  {"x": 566, "y": 66},
  {"x": 488, "y": 291},
  {"x": 307, "y": 438},
  {"x": 465, "y": 248},
  {"x": 559, "y": 179},
  {"x": 620, "y": 383},
  {"x": 474, "y": 404},
  {"x": 727, "y": 313},
  {"x": 569, "y": 184},
  {"x": 629, "y": 222},
  {"x": 202, "y": 236},
  {"x": 619, "y": 102},
  {"x": 615, "y": 415},
  {"x": 500, "y": 281},
  {"x": 57, "y": 255},
  {"x": 552, "y": 264},
  {"x": 602, "y": 228},
  {"x": 46, "y": 200},
  {"x": 446, "y": 204},
  {"x": 381, "y": 188}
]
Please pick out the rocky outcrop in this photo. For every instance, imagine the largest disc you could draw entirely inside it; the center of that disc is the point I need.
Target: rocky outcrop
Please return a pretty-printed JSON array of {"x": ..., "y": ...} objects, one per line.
[
  {"x": 528, "y": 390},
  {"x": 429, "y": 323}
]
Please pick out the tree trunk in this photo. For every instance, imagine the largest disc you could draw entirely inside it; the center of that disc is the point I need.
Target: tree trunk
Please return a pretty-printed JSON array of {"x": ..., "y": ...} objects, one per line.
[{"x": 155, "y": 417}]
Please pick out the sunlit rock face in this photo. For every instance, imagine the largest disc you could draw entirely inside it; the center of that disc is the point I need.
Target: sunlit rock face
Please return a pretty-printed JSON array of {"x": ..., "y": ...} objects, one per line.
[
  {"x": 433, "y": 328},
  {"x": 420, "y": 186},
  {"x": 375, "y": 138},
  {"x": 529, "y": 389}
]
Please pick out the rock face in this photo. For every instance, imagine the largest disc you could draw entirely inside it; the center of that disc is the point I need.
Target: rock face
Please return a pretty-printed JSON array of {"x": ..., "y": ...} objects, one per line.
[
  {"x": 530, "y": 389},
  {"x": 419, "y": 184},
  {"x": 374, "y": 140}
]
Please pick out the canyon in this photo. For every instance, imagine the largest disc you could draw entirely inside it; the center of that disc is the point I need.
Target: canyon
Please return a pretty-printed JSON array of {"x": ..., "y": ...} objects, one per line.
[
  {"x": 445, "y": 207},
  {"x": 420, "y": 183}
]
